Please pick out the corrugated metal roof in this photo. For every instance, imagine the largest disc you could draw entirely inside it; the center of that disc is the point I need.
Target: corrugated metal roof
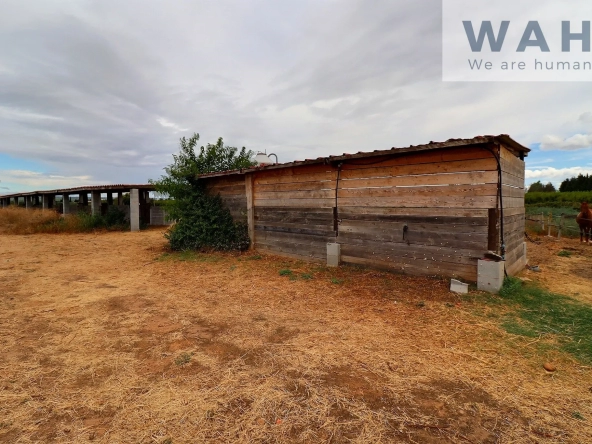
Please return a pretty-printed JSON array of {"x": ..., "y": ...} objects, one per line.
[
  {"x": 112, "y": 188},
  {"x": 450, "y": 143}
]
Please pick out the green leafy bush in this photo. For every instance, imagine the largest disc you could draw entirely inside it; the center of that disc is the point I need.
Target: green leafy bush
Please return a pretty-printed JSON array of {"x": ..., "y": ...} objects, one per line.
[
  {"x": 115, "y": 218},
  {"x": 205, "y": 223},
  {"x": 202, "y": 220}
]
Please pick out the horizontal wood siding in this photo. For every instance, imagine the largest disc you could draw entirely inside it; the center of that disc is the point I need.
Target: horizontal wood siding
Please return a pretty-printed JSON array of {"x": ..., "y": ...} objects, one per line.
[
  {"x": 442, "y": 197},
  {"x": 232, "y": 190},
  {"x": 514, "y": 214},
  {"x": 293, "y": 213}
]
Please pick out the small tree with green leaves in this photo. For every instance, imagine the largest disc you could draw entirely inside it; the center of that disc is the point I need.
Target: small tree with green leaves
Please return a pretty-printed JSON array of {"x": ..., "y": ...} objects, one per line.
[
  {"x": 202, "y": 220},
  {"x": 539, "y": 187}
]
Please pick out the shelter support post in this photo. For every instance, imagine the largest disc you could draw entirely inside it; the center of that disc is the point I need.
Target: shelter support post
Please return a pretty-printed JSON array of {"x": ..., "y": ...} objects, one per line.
[
  {"x": 65, "y": 204},
  {"x": 96, "y": 203},
  {"x": 135, "y": 209}
]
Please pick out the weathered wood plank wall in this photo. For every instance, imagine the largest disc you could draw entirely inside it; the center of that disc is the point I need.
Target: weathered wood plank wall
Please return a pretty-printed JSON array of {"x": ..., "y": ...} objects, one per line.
[
  {"x": 441, "y": 196},
  {"x": 514, "y": 213},
  {"x": 447, "y": 199},
  {"x": 294, "y": 210},
  {"x": 232, "y": 190}
]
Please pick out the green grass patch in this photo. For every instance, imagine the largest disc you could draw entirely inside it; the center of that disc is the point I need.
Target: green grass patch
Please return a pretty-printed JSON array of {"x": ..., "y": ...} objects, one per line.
[
  {"x": 518, "y": 327},
  {"x": 189, "y": 256},
  {"x": 564, "y": 253},
  {"x": 535, "y": 311},
  {"x": 537, "y": 210},
  {"x": 336, "y": 281},
  {"x": 306, "y": 276},
  {"x": 286, "y": 272},
  {"x": 255, "y": 257},
  {"x": 570, "y": 227},
  {"x": 183, "y": 358},
  {"x": 558, "y": 199}
]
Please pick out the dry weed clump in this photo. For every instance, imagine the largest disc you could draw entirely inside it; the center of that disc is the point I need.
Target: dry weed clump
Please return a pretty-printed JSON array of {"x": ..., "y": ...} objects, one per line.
[
  {"x": 14, "y": 220},
  {"x": 19, "y": 221}
]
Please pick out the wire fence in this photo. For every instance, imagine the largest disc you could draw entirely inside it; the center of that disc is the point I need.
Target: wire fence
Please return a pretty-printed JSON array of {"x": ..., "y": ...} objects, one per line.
[{"x": 554, "y": 225}]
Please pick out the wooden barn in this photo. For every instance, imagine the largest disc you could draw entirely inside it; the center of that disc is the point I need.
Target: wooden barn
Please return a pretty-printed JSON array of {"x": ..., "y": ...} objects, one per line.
[{"x": 432, "y": 209}]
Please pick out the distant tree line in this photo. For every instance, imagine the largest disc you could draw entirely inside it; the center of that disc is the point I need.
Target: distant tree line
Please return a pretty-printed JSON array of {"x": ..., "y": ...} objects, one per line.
[
  {"x": 580, "y": 183},
  {"x": 538, "y": 187}
]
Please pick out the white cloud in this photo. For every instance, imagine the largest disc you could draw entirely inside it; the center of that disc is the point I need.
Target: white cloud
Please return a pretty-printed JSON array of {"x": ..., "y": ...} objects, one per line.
[
  {"x": 586, "y": 117},
  {"x": 24, "y": 180},
  {"x": 23, "y": 115},
  {"x": 168, "y": 124},
  {"x": 555, "y": 175},
  {"x": 575, "y": 142}
]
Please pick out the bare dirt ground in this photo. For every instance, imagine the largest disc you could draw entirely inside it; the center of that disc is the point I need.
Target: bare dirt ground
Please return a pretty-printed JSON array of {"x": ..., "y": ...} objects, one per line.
[{"x": 106, "y": 338}]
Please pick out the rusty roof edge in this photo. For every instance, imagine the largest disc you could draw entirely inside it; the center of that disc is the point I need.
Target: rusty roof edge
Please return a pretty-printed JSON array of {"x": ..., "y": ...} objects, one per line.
[
  {"x": 450, "y": 143},
  {"x": 507, "y": 140}
]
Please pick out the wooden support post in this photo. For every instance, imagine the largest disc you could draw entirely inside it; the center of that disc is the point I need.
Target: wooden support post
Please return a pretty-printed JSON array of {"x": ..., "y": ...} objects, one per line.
[
  {"x": 493, "y": 237},
  {"x": 543, "y": 221},
  {"x": 560, "y": 226},
  {"x": 250, "y": 208},
  {"x": 549, "y": 224}
]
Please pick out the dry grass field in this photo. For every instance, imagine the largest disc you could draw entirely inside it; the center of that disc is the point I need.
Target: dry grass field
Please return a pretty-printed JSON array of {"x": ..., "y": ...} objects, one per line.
[{"x": 108, "y": 338}]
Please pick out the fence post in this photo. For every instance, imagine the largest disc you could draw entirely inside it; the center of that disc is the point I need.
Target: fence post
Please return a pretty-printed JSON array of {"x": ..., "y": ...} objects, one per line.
[
  {"x": 560, "y": 226},
  {"x": 543, "y": 221},
  {"x": 549, "y": 227}
]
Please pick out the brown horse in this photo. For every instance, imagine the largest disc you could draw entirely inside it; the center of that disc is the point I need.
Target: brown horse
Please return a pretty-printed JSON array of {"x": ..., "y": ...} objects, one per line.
[{"x": 584, "y": 220}]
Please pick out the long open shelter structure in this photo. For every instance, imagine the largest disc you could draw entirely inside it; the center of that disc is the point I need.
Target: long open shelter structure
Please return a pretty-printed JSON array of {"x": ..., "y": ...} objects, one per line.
[{"x": 138, "y": 209}]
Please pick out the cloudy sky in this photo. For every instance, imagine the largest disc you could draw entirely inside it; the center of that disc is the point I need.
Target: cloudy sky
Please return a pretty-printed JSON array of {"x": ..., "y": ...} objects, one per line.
[{"x": 100, "y": 91}]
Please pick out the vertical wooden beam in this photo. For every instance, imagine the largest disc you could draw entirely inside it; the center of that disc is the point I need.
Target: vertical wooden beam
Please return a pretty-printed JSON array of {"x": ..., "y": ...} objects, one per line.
[
  {"x": 250, "y": 208},
  {"x": 493, "y": 237}
]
